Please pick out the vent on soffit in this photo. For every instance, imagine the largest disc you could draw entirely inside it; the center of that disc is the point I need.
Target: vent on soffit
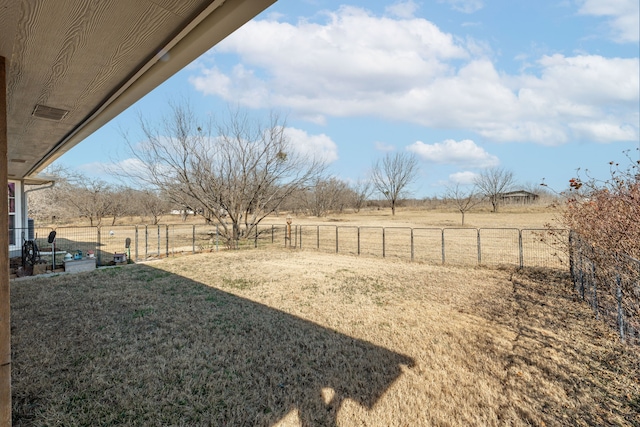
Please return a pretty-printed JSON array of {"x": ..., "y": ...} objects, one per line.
[{"x": 49, "y": 113}]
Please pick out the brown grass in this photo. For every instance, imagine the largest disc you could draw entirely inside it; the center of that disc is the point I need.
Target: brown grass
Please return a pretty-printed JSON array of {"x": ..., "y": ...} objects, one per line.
[
  {"x": 313, "y": 339},
  {"x": 518, "y": 216}
]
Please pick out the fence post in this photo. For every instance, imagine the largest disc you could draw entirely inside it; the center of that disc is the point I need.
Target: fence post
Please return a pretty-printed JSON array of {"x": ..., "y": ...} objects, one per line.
[
  {"x": 193, "y": 238},
  {"x": 336, "y": 239},
  {"x": 272, "y": 233},
  {"x": 98, "y": 248},
  {"x": 442, "y": 230},
  {"x": 135, "y": 249},
  {"x": 572, "y": 262},
  {"x": 520, "y": 251},
  {"x": 167, "y": 237},
  {"x": 158, "y": 240},
  {"x": 581, "y": 276},
  {"x": 256, "y": 241},
  {"x": 217, "y": 234},
  {"x": 384, "y": 249},
  {"x": 358, "y": 240},
  {"x": 317, "y": 237},
  {"x": 595, "y": 290},
  {"x": 412, "y": 244},
  {"x": 479, "y": 249},
  {"x": 146, "y": 242},
  {"x": 300, "y": 236},
  {"x": 620, "y": 310}
]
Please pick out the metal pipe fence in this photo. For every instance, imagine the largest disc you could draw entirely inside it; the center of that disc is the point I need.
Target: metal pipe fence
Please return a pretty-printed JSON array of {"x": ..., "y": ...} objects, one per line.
[
  {"x": 610, "y": 284},
  {"x": 456, "y": 246}
]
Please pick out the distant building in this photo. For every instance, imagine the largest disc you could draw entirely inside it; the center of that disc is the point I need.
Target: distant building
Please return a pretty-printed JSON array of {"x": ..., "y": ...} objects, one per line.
[{"x": 520, "y": 197}]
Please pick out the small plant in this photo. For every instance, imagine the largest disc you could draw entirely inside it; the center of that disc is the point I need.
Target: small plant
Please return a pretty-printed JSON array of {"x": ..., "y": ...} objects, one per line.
[{"x": 238, "y": 283}]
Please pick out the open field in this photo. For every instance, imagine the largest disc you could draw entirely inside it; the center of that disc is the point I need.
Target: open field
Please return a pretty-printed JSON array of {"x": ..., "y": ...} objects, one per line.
[
  {"x": 514, "y": 236},
  {"x": 306, "y": 338},
  {"x": 534, "y": 216},
  {"x": 530, "y": 216}
]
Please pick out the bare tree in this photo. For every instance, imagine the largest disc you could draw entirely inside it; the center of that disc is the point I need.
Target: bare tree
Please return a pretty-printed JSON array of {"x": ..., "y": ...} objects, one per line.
[
  {"x": 237, "y": 171},
  {"x": 493, "y": 182},
  {"x": 463, "y": 200},
  {"x": 145, "y": 203},
  {"x": 360, "y": 192},
  {"x": 121, "y": 203},
  {"x": 77, "y": 195},
  {"x": 91, "y": 199},
  {"x": 326, "y": 195},
  {"x": 391, "y": 176}
]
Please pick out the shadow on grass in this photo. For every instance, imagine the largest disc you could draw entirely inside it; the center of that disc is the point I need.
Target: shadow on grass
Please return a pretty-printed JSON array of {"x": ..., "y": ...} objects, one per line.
[
  {"x": 140, "y": 346},
  {"x": 563, "y": 355}
]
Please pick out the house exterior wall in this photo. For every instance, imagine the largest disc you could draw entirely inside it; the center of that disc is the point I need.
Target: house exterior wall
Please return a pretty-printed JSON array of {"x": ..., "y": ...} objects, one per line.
[{"x": 17, "y": 216}]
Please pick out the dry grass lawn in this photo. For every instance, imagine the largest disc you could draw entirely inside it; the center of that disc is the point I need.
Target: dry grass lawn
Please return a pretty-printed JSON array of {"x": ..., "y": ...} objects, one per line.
[{"x": 296, "y": 338}]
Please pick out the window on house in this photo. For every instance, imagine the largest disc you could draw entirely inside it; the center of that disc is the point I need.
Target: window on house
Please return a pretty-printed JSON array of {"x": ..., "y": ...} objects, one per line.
[{"x": 12, "y": 213}]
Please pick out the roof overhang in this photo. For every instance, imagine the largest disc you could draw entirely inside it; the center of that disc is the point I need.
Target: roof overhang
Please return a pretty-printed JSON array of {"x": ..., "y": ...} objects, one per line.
[{"x": 74, "y": 65}]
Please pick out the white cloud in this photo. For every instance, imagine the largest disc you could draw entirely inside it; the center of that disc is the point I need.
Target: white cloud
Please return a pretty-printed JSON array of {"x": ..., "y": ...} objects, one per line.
[
  {"x": 465, "y": 153},
  {"x": 624, "y": 17},
  {"x": 463, "y": 178},
  {"x": 407, "y": 69},
  {"x": 320, "y": 146},
  {"x": 381, "y": 146},
  {"x": 402, "y": 9},
  {"x": 465, "y": 6}
]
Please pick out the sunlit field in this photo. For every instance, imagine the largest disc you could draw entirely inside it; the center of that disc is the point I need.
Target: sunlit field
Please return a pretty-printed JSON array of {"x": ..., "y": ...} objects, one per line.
[
  {"x": 302, "y": 338},
  {"x": 518, "y": 216}
]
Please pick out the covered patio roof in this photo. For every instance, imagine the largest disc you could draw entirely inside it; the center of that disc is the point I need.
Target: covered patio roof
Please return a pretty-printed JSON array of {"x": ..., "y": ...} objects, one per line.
[
  {"x": 73, "y": 65},
  {"x": 67, "y": 67}
]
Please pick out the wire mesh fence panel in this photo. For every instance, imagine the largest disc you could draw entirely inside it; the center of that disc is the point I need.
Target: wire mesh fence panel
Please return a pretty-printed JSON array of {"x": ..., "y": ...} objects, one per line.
[
  {"x": 461, "y": 246},
  {"x": 371, "y": 241},
  {"x": 113, "y": 240},
  {"x": 348, "y": 240},
  {"x": 268, "y": 235},
  {"x": 155, "y": 241},
  {"x": 397, "y": 242},
  {"x": 49, "y": 253},
  {"x": 326, "y": 236},
  {"x": 610, "y": 284},
  {"x": 308, "y": 237},
  {"x": 427, "y": 245},
  {"x": 207, "y": 238},
  {"x": 181, "y": 239},
  {"x": 499, "y": 246},
  {"x": 545, "y": 248},
  {"x": 84, "y": 239}
]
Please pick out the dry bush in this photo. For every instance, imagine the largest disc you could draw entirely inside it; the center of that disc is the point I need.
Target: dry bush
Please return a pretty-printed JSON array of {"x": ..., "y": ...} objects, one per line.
[{"x": 606, "y": 213}]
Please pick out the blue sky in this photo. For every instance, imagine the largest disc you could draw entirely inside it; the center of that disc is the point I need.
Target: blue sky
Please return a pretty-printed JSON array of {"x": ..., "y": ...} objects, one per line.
[{"x": 541, "y": 88}]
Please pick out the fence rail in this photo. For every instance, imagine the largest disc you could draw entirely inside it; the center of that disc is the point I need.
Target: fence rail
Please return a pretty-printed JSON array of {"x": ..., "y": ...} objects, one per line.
[
  {"x": 457, "y": 246},
  {"x": 610, "y": 284}
]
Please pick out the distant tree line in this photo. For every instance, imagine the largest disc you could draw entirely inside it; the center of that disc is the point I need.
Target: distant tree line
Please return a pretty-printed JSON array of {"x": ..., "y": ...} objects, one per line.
[{"x": 74, "y": 195}]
